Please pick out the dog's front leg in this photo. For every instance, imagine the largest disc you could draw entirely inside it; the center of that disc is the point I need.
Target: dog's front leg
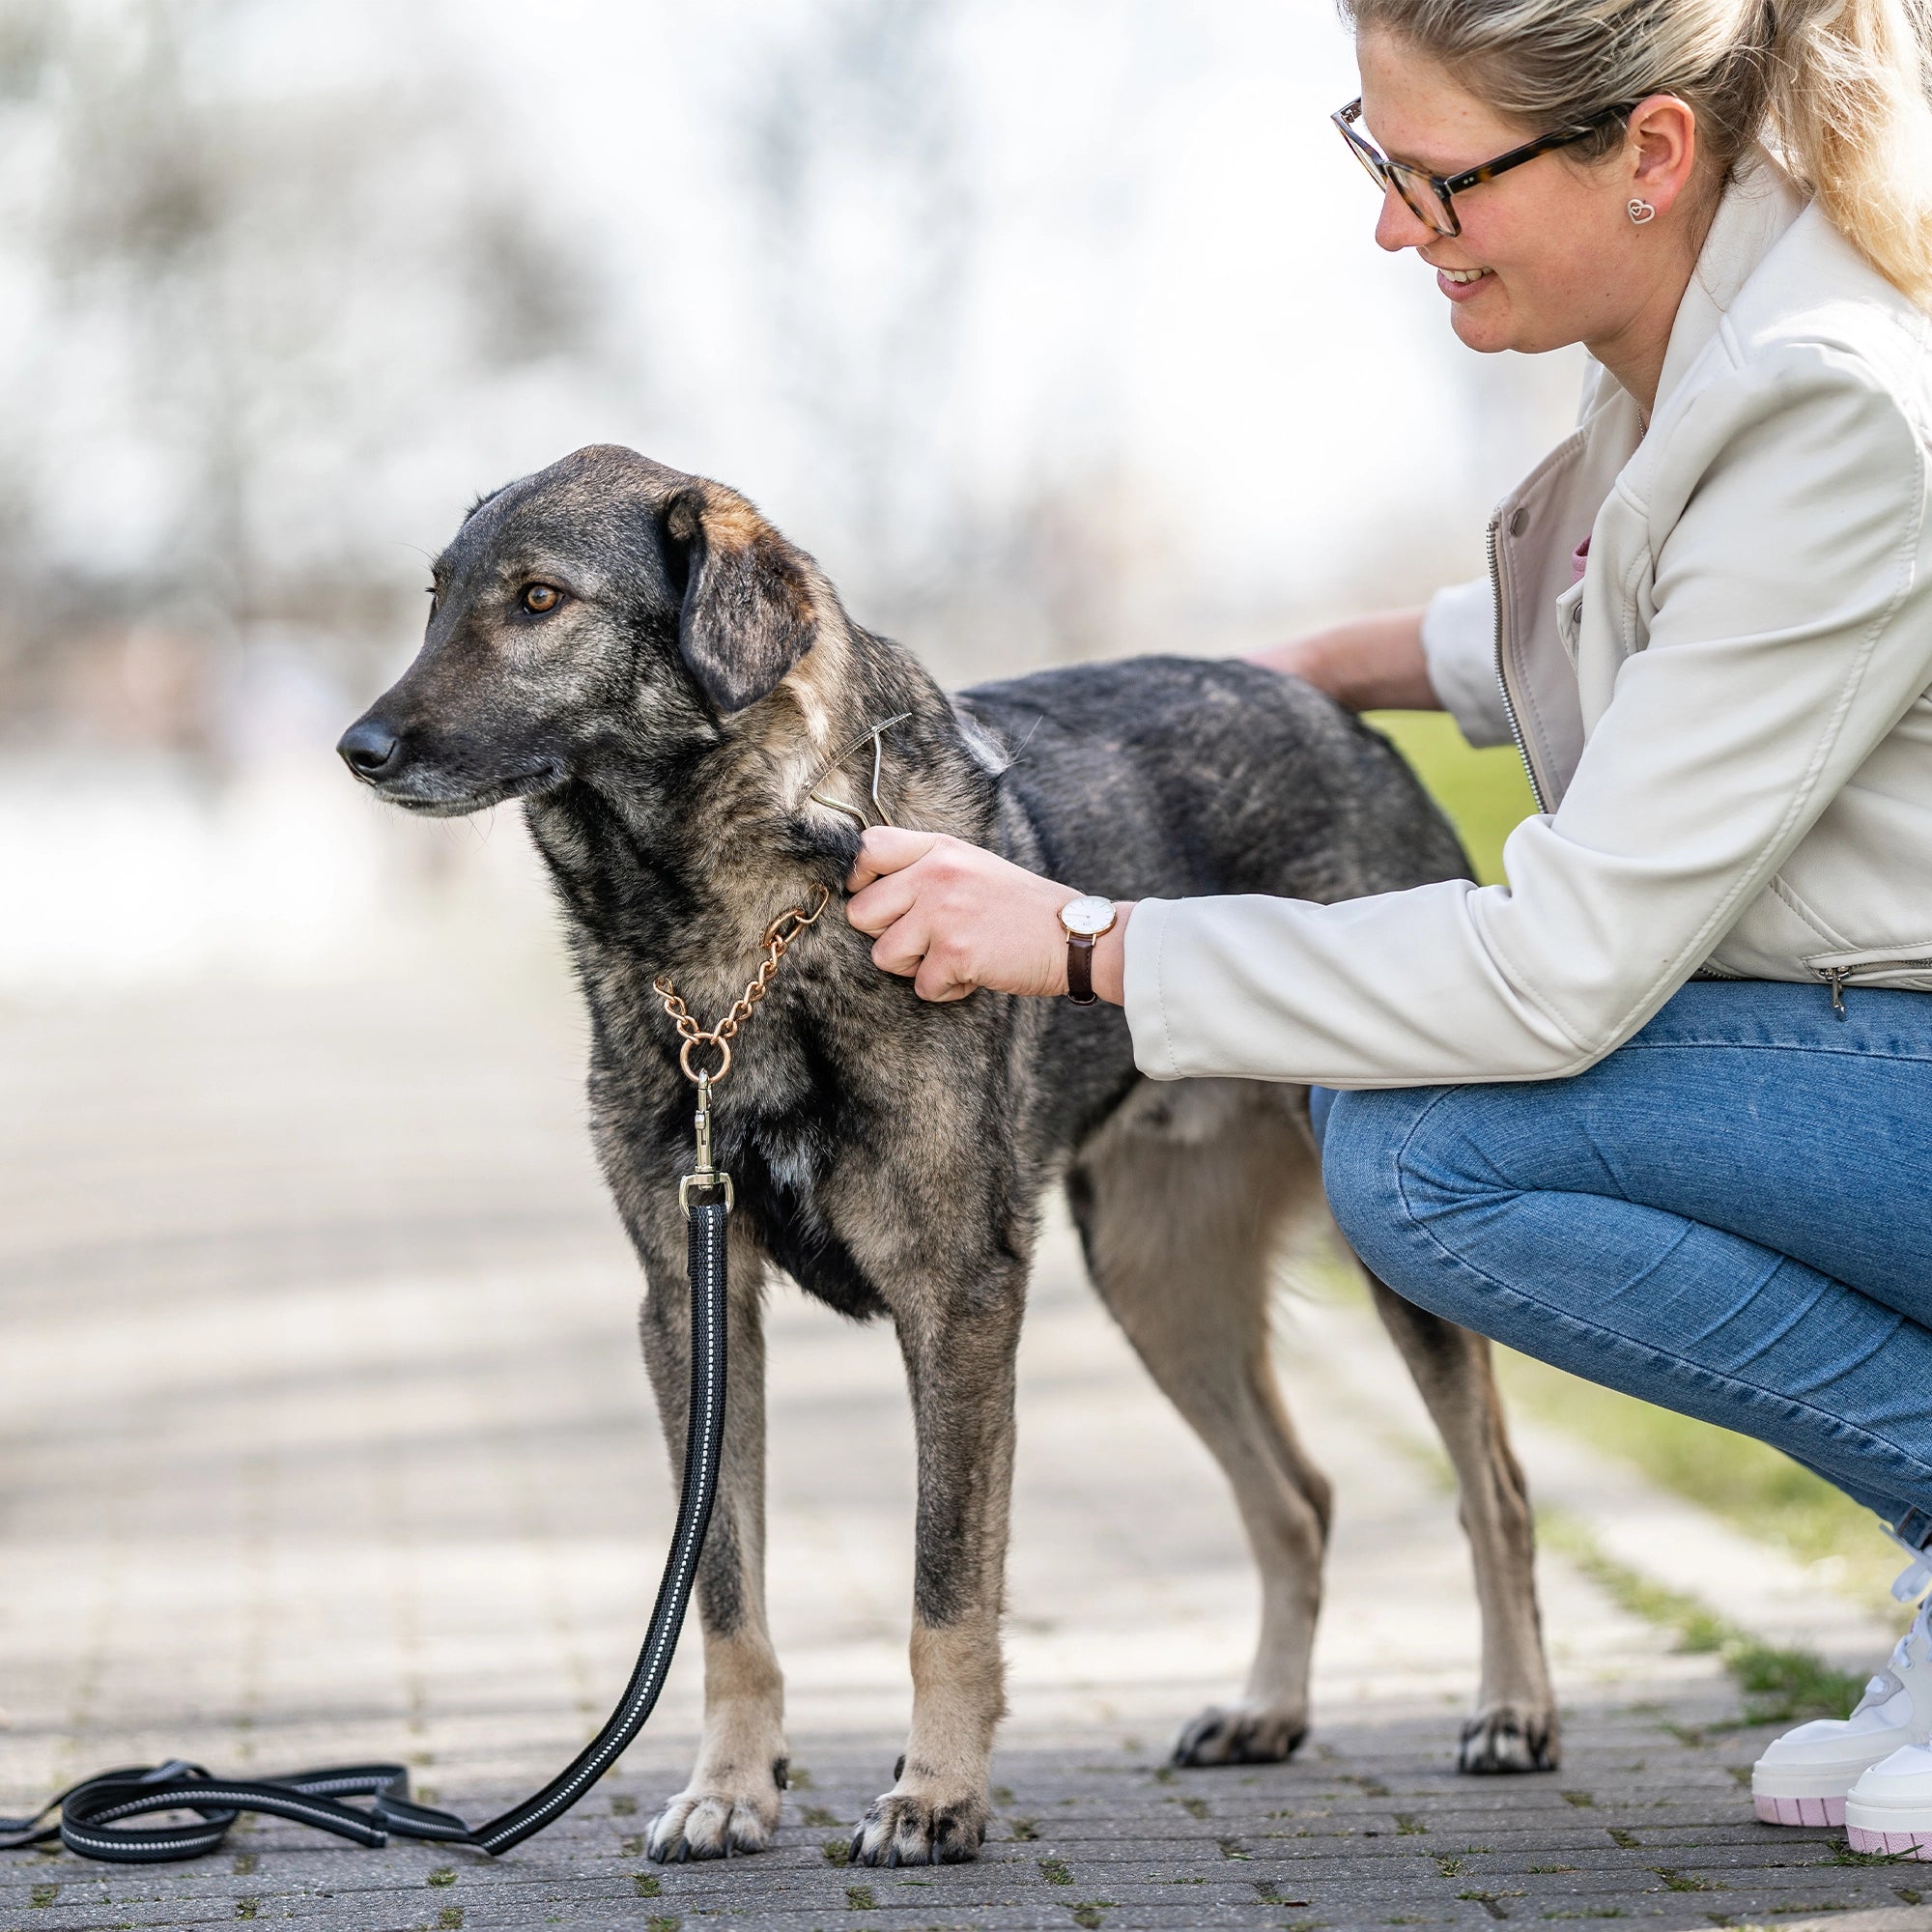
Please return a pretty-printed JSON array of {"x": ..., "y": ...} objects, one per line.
[
  {"x": 731, "y": 1804},
  {"x": 958, "y": 1352}
]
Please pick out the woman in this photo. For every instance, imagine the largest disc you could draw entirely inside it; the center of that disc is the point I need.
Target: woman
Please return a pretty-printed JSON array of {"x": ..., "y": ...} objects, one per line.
[{"x": 1656, "y": 1110}]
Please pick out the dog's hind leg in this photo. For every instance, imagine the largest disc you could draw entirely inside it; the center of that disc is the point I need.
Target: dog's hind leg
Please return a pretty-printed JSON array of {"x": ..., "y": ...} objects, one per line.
[
  {"x": 1179, "y": 1201},
  {"x": 958, "y": 1338},
  {"x": 731, "y": 1803},
  {"x": 1515, "y": 1727}
]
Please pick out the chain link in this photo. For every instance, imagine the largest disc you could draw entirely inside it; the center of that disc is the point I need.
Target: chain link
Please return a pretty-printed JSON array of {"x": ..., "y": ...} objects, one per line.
[{"x": 777, "y": 941}]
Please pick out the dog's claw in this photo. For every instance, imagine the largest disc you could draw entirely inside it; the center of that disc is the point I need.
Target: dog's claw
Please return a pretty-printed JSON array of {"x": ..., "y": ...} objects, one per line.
[
  {"x": 1509, "y": 1739},
  {"x": 1245, "y": 1734}
]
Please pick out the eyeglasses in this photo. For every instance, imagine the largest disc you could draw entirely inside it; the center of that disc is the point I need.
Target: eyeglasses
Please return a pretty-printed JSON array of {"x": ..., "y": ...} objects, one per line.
[{"x": 1426, "y": 196}]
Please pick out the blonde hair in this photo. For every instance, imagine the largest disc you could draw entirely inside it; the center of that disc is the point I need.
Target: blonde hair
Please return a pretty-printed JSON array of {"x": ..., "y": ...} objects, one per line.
[{"x": 1836, "y": 88}]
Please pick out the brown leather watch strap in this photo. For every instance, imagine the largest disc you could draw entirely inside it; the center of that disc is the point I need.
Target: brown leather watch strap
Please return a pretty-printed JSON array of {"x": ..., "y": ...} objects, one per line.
[{"x": 1080, "y": 968}]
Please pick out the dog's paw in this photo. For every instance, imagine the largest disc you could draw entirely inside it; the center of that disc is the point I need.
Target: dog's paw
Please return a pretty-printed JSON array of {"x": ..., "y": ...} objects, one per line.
[
  {"x": 907, "y": 1827},
  {"x": 713, "y": 1825},
  {"x": 1243, "y": 1734},
  {"x": 1510, "y": 1737}
]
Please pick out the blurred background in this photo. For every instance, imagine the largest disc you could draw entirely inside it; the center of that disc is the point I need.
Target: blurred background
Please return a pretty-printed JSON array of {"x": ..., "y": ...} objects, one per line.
[{"x": 1056, "y": 329}]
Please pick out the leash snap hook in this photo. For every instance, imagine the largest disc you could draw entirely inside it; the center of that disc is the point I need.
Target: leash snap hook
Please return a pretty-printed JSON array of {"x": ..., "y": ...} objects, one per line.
[{"x": 705, "y": 1175}]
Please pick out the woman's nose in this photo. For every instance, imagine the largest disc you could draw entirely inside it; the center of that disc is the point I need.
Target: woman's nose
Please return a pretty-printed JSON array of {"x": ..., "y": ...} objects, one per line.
[{"x": 1399, "y": 227}]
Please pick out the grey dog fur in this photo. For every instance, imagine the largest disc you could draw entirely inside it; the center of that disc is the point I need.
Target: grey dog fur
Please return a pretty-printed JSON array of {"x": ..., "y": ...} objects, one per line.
[{"x": 663, "y": 725}]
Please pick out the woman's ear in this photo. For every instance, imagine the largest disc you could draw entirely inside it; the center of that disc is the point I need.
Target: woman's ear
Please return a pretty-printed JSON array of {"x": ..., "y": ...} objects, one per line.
[
  {"x": 1662, "y": 146},
  {"x": 748, "y": 613}
]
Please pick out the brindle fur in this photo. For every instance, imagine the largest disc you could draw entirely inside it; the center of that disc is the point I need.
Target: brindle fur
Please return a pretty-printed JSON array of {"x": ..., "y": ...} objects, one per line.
[{"x": 663, "y": 725}]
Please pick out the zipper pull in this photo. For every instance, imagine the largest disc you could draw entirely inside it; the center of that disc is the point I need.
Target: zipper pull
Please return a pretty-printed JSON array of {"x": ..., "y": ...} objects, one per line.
[{"x": 1834, "y": 976}]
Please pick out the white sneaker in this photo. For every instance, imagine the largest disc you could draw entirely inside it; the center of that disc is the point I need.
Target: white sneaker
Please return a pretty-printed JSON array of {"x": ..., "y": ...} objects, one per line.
[
  {"x": 1890, "y": 1808},
  {"x": 1803, "y": 1778}
]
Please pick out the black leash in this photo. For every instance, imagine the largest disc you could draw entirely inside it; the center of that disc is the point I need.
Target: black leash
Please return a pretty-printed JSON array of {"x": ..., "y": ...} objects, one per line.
[
  {"x": 89, "y": 1817},
  {"x": 92, "y": 1815}
]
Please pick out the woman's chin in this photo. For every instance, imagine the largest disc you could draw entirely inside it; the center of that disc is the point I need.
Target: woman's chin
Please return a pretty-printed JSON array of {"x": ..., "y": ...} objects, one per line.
[{"x": 1484, "y": 326}]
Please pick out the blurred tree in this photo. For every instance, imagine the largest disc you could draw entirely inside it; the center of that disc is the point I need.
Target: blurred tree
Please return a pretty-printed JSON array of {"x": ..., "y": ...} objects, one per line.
[
  {"x": 239, "y": 274},
  {"x": 883, "y": 202},
  {"x": 865, "y": 196}
]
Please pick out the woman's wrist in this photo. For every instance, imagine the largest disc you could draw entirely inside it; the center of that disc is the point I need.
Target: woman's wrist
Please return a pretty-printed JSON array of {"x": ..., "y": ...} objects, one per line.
[{"x": 1110, "y": 957}]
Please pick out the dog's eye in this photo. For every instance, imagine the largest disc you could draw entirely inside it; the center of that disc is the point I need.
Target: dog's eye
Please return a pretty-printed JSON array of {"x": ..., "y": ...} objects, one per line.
[{"x": 539, "y": 598}]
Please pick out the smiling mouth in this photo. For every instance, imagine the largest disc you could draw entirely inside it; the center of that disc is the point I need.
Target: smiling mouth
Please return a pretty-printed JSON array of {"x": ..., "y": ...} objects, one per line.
[{"x": 1464, "y": 275}]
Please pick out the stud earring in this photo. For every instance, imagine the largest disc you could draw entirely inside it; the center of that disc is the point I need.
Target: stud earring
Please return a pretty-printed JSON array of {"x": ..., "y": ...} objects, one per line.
[{"x": 1642, "y": 212}]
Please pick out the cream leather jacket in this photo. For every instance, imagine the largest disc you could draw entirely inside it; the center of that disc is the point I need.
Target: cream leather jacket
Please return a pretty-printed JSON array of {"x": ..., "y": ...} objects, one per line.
[{"x": 1726, "y": 721}]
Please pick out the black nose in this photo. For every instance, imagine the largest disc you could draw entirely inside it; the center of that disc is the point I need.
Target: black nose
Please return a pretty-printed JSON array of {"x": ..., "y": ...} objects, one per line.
[{"x": 369, "y": 748}]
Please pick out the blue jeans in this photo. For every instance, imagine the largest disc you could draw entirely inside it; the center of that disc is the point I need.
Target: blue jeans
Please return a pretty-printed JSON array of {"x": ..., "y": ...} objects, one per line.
[{"x": 1730, "y": 1215}]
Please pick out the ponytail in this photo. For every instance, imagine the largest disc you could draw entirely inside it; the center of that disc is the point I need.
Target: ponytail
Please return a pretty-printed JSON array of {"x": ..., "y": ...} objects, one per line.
[
  {"x": 1847, "y": 88},
  {"x": 1837, "y": 88}
]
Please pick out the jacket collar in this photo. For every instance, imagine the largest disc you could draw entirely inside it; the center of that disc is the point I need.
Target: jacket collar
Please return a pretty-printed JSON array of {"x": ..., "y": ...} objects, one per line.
[{"x": 1759, "y": 203}]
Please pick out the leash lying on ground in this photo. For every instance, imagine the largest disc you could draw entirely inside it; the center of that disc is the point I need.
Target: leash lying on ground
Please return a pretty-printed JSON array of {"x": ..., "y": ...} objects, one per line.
[{"x": 90, "y": 1817}]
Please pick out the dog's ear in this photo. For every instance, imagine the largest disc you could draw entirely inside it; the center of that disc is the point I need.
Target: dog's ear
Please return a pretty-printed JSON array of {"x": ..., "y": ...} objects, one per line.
[{"x": 748, "y": 613}]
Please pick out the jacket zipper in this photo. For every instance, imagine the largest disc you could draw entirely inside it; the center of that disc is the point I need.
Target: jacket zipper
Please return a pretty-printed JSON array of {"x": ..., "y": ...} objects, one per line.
[
  {"x": 1837, "y": 976},
  {"x": 1502, "y": 675}
]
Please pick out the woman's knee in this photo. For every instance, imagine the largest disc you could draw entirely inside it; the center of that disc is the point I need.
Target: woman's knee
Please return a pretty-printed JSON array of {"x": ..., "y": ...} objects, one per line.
[{"x": 1366, "y": 1139}]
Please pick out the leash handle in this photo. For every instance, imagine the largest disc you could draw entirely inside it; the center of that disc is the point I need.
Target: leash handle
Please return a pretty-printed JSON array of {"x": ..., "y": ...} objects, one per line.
[{"x": 92, "y": 1811}]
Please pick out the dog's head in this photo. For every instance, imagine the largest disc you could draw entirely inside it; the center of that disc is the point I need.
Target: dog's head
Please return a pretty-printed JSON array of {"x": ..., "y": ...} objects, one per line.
[{"x": 605, "y": 604}]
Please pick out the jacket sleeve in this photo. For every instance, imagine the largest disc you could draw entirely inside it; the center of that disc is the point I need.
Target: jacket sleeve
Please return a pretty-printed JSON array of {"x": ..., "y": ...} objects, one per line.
[
  {"x": 1459, "y": 644},
  {"x": 1791, "y": 630}
]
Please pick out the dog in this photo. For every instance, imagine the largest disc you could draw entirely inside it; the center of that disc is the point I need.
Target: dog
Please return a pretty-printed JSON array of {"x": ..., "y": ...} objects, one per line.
[{"x": 667, "y": 685}]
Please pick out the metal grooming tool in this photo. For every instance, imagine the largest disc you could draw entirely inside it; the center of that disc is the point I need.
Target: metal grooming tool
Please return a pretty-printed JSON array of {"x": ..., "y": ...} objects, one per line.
[{"x": 875, "y": 737}]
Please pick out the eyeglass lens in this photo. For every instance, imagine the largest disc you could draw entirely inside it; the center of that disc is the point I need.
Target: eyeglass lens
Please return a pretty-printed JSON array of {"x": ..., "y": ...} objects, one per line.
[
  {"x": 1419, "y": 194},
  {"x": 1423, "y": 199}
]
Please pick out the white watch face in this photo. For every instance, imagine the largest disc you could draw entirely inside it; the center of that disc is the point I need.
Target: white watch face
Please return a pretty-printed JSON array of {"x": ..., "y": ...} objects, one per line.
[{"x": 1088, "y": 915}]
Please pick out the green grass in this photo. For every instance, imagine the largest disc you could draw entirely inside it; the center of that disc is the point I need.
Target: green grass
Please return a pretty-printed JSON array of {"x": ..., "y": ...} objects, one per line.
[
  {"x": 1486, "y": 794},
  {"x": 1763, "y": 1493},
  {"x": 1779, "y": 1686}
]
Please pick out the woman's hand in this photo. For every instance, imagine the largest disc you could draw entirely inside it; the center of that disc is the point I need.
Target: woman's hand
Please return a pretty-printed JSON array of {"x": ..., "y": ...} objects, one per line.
[{"x": 952, "y": 917}]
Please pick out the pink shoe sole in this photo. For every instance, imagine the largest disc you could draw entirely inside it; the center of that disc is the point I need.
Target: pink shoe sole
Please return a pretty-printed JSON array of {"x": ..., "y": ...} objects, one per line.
[
  {"x": 1799, "y": 1810},
  {"x": 1910, "y": 1844}
]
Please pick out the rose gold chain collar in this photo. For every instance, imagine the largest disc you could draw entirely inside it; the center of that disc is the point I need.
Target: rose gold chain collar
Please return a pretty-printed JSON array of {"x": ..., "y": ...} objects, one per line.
[{"x": 777, "y": 941}]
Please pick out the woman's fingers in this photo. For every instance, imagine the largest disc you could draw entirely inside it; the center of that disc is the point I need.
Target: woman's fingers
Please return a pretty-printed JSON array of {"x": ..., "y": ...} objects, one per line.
[
  {"x": 886, "y": 849},
  {"x": 901, "y": 946}
]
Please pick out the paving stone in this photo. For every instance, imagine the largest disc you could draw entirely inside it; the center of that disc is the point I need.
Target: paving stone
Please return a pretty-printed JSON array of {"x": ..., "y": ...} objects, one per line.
[{"x": 327, "y": 1441}]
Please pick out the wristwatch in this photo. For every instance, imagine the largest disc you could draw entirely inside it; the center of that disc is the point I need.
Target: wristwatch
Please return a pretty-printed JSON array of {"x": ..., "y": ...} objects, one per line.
[{"x": 1084, "y": 919}]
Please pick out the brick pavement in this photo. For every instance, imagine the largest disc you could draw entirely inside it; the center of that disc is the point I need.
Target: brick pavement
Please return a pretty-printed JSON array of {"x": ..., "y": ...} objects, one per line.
[{"x": 325, "y": 1439}]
